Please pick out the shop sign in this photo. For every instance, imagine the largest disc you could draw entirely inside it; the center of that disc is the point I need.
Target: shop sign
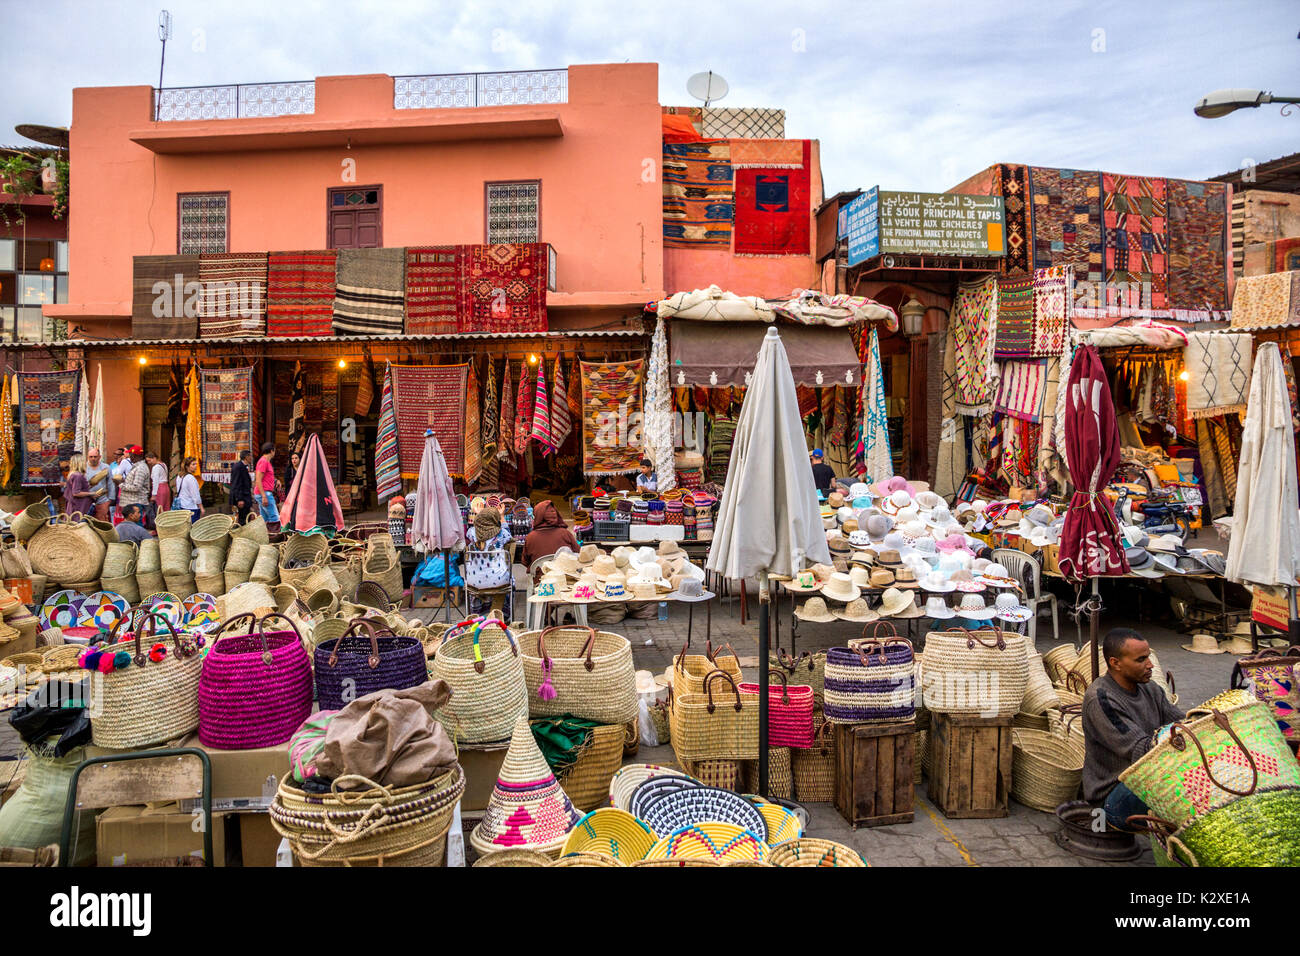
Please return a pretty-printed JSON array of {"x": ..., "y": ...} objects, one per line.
[
  {"x": 1269, "y": 606},
  {"x": 862, "y": 226},
  {"x": 941, "y": 224}
]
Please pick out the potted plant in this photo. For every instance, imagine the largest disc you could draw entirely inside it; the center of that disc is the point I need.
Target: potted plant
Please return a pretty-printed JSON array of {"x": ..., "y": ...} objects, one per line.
[
  {"x": 61, "y": 170},
  {"x": 20, "y": 177}
]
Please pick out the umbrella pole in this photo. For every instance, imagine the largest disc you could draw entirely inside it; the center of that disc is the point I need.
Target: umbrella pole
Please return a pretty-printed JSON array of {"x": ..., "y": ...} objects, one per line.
[
  {"x": 1094, "y": 623},
  {"x": 764, "y": 613},
  {"x": 1293, "y": 620}
]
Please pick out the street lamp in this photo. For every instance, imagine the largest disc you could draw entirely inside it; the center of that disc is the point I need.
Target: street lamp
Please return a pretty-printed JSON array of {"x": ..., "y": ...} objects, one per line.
[
  {"x": 912, "y": 313},
  {"x": 1222, "y": 102}
]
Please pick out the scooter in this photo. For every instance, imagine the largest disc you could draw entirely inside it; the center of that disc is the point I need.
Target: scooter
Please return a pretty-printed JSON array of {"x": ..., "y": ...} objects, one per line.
[{"x": 1157, "y": 512}]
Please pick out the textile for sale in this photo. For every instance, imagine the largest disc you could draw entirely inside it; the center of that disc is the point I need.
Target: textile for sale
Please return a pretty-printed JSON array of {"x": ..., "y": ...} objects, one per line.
[
  {"x": 491, "y": 420},
  {"x": 950, "y": 468},
  {"x": 1067, "y": 221},
  {"x": 194, "y": 417},
  {"x": 365, "y": 390},
  {"x": 1049, "y": 458},
  {"x": 657, "y": 415},
  {"x": 227, "y": 402},
  {"x": 506, "y": 418},
  {"x": 233, "y": 301},
  {"x": 610, "y": 393},
  {"x": 1135, "y": 244},
  {"x": 83, "y": 412},
  {"x": 877, "y": 455},
  {"x": 431, "y": 396},
  {"x": 1015, "y": 327},
  {"x": 1263, "y": 301},
  {"x": 47, "y": 424},
  {"x": 973, "y": 327},
  {"x": 1013, "y": 187},
  {"x": 432, "y": 290},
  {"x": 524, "y": 399},
  {"x": 321, "y": 409},
  {"x": 300, "y": 292},
  {"x": 502, "y": 287},
  {"x": 698, "y": 194},
  {"x": 1216, "y": 497},
  {"x": 1199, "y": 247},
  {"x": 165, "y": 297},
  {"x": 7, "y": 431},
  {"x": 541, "y": 428},
  {"x": 773, "y": 210},
  {"x": 388, "y": 472},
  {"x": 1021, "y": 389},
  {"x": 473, "y": 468},
  {"x": 766, "y": 154},
  {"x": 721, "y": 122},
  {"x": 370, "y": 292},
  {"x": 1051, "y": 311},
  {"x": 1218, "y": 368},
  {"x": 561, "y": 417}
]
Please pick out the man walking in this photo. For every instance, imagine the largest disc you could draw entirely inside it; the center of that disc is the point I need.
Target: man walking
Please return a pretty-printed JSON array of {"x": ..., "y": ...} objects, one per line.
[
  {"x": 102, "y": 490},
  {"x": 241, "y": 486},
  {"x": 135, "y": 487}
]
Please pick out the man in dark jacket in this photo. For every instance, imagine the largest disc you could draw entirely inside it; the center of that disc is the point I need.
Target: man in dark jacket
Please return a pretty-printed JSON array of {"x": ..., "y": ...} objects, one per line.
[
  {"x": 241, "y": 486},
  {"x": 1122, "y": 710}
]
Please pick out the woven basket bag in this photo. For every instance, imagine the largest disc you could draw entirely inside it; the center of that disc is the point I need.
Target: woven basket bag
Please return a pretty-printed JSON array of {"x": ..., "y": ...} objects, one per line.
[
  {"x": 148, "y": 557},
  {"x": 366, "y": 659},
  {"x": 809, "y": 669},
  {"x": 14, "y": 560},
  {"x": 248, "y": 598},
  {"x": 242, "y": 555},
  {"x": 266, "y": 566},
  {"x": 1040, "y": 695},
  {"x": 579, "y": 671},
  {"x": 28, "y": 521},
  {"x": 813, "y": 768},
  {"x": 106, "y": 531},
  {"x": 173, "y": 524},
  {"x": 789, "y": 712},
  {"x": 1256, "y": 831},
  {"x": 1046, "y": 770},
  {"x": 120, "y": 560},
  {"x": 382, "y": 566},
  {"x": 724, "y": 774},
  {"x": 721, "y": 723},
  {"x": 148, "y": 702},
  {"x": 587, "y": 781},
  {"x": 253, "y": 529},
  {"x": 233, "y": 579},
  {"x": 689, "y": 670},
  {"x": 481, "y": 664},
  {"x": 872, "y": 679},
  {"x": 212, "y": 531},
  {"x": 347, "y": 573},
  {"x": 176, "y": 555},
  {"x": 780, "y": 773},
  {"x": 1276, "y": 682},
  {"x": 974, "y": 672},
  {"x": 66, "y": 550},
  {"x": 214, "y": 584}
]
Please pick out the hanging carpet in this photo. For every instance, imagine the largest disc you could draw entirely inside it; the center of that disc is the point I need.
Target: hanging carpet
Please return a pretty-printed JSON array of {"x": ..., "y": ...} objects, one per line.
[
  {"x": 370, "y": 292},
  {"x": 610, "y": 393},
  {"x": 226, "y": 397},
  {"x": 48, "y": 424}
]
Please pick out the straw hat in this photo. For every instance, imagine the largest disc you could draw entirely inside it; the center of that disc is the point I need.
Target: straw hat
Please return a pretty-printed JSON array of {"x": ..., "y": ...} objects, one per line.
[
  {"x": 839, "y": 545},
  {"x": 527, "y": 808},
  {"x": 552, "y": 587},
  {"x": 604, "y": 566},
  {"x": 565, "y": 562},
  {"x": 860, "y": 576},
  {"x": 1008, "y": 608},
  {"x": 997, "y": 576},
  {"x": 614, "y": 587},
  {"x": 841, "y": 588},
  {"x": 889, "y": 559},
  {"x": 814, "y": 609},
  {"x": 896, "y": 603},
  {"x": 1040, "y": 516},
  {"x": 1203, "y": 644},
  {"x": 857, "y": 612},
  {"x": 652, "y": 575},
  {"x": 1238, "y": 645},
  {"x": 937, "y": 609},
  {"x": 670, "y": 549},
  {"x": 937, "y": 582},
  {"x": 895, "y": 503},
  {"x": 964, "y": 581},
  {"x": 585, "y": 591},
  {"x": 823, "y": 572},
  {"x": 804, "y": 582},
  {"x": 905, "y": 578},
  {"x": 1169, "y": 543},
  {"x": 973, "y": 607},
  {"x": 879, "y": 525},
  {"x": 691, "y": 590},
  {"x": 859, "y": 539},
  {"x": 621, "y": 555},
  {"x": 849, "y": 526},
  {"x": 588, "y": 555},
  {"x": 927, "y": 501},
  {"x": 648, "y": 683},
  {"x": 642, "y": 555},
  {"x": 865, "y": 559}
]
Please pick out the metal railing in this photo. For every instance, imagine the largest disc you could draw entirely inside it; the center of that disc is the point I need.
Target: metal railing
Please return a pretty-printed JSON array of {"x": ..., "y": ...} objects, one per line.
[
  {"x": 235, "y": 101},
  {"x": 457, "y": 90}
]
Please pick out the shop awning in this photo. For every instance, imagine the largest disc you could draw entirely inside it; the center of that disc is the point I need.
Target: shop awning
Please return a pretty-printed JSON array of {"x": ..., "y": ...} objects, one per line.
[{"x": 707, "y": 353}]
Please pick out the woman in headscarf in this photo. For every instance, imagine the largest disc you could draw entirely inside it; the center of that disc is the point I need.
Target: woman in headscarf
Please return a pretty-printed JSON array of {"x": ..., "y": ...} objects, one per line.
[
  {"x": 549, "y": 534},
  {"x": 487, "y": 562}
]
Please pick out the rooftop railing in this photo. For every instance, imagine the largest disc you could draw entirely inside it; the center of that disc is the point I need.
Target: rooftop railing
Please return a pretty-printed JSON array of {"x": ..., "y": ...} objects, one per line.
[
  {"x": 458, "y": 90},
  {"x": 235, "y": 101}
]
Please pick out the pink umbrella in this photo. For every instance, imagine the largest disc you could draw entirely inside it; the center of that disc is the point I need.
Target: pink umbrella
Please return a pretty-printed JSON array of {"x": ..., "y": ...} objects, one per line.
[
  {"x": 312, "y": 502},
  {"x": 437, "y": 522}
]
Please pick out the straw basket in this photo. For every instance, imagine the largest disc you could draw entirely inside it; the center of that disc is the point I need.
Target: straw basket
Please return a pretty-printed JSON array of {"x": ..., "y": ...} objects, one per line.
[
  {"x": 148, "y": 557},
  {"x": 248, "y": 598},
  {"x": 1067, "y": 721},
  {"x": 28, "y": 521},
  {"x": 587, "y": 781},
  {"x": 1045, "y": 769},
  {"x": 780, "y": 773},
  {"x": 515, "y": 858},
  {"x": 807, "y": 669},
  {"x": 587, "y": 858},
  {"x": 348, "y": 574},
  {"x": 83, "y": 587},
  {"x": 175, "y": 554},
  {"x": 689, "y": 670},
  {"x": 146, "y": 582},
  {"x": 676, "y": 863},
  {"x": 321, "y": 579},
  {"x": 366, "y": 659},
  {"x": 127, "y": 586},
  {"x": 322, "y": 602},
  {"x": 723, "y": 774},
  {"x": 871, "y": 679},
  {"x": 1058, "y": 661},
  {"x": 1256, "y": 831},
  {"x": 212, "y": 531},
  {"x": 232, "y": 580},
  {"x": 382, "y": 566},
  {"x": 119, "y": 560},
  {"x": 719, "y": 724},
  {"x": 813, "y": 768},
  {"x": 306, "y": 548},
  {"x": 371, "y": 826},
  {"x": 242, "y": 555},
  {"x": 214, "y": 584},
  {"x": 14, "y": 561},
  {"x": 254, "y": 530},
  {"x": 66, "y": 550},
  {"x": 286, "y": 596},
  {"x": 148, "y": 702},
  {"x": 330, "y": 629},
  {"x": 209, "y": 559},
  {"x": 1040, "y": 695},
  {"x": 107, "y": 533},
  {"x": 919, "y": 741},
  {"x": 482, "y": 666},
  {"x": 173, "y": 524},
  {"x": 974, "y": 672},
  {"x": 582, "y": 672},
  {"x": 266, "y": 566},
  {"x": 809, "y": 851}
]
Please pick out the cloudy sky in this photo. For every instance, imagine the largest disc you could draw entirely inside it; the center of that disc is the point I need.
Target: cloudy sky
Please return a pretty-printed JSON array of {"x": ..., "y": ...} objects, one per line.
[{"x": 915, "y": 94}]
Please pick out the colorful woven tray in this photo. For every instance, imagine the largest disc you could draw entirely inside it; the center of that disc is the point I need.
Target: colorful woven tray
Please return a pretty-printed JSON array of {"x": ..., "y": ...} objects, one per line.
[
  {"x": 648, "y": 791},
  {"x": 685, "y": 808},
  {"x": 782, "y": 824},
  {"x": 610, "y": 831},
  {"x": 806, "y": 851},
  {"x": 627, "y": 779},
  {"x": 710, "y": 840}
]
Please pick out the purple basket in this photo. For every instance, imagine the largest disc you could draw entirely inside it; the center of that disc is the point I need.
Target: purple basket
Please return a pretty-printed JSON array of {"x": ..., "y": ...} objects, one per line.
[
  {"x": 357, "y": 664},
  {"x": 255, "y": 689},
  {"x": 875, "y": 680}
]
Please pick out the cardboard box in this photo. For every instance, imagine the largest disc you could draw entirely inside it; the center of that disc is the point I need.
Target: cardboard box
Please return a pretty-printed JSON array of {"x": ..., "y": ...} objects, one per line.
[
  {"x": 258, "y": 841},
  {"x": 129, "y": 835},
  {"x": 482, "y": 767},
  {"x": 243, "y": 779}
]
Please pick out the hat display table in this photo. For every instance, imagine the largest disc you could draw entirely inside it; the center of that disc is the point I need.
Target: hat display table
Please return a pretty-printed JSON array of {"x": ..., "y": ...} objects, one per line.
[{"x": 873, "y": 773}]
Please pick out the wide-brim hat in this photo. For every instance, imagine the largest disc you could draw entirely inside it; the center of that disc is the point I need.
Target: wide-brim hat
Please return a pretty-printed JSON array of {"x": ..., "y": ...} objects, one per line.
[
  {"x": 588, "y": 555},
  {"x": 1212, "y": 561},
  {"x": 1237, "y": 645},
  {"x": 1203, "y": 644},
  {"x": 642, "y": 555},
  {"x": 586, "y": 590},
  {"x": 856, "y": 611},
  {"x": 889, "y": 558},
  {"x": 906, "y": 578},
  {"x": 558, "y": 586},
  {"x": 1012, "y": 612},
  {"x": 841, "y": 588},
  {"x": 860, "y": 575},
  {"x": 966, "y": 582},
  {"x": 565, "y": 562},
  {"x": 605, "y": 565},
  {"x": 814, "y": 609},
  {"x": 894, "y": 503},
  {"x": 1168, "y": 562},
  {"x": 527, "y": 808},
  {"x": 622, "y": 555},
  {"x": 613, "y": 588},
  {"x": 938, "y": 609},
  {"x": 669, "y": 549},
  {"x": 896, "y": 603},
  {"x": 691, "y": 585},
  {"x": 937, "y": 584},
  {"x": 973, "y": 608},
  {"x": 1168, "y": 543},
  {"x": 886, "y": 486}
]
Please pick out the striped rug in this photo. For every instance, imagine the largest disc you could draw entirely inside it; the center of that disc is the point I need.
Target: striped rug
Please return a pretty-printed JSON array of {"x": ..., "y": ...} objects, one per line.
[
  {"x": 369, "y": 297},
  {"x": 300, "y": 292},
  {"x": 233, "y": 301},
  {"x": 388, "y": 473},
  {"x": 432, "y": 290}
]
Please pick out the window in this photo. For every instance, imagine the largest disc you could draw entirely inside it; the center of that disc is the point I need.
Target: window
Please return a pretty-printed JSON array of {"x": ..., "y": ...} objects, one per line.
[
  {"x": 514, "y": 212},
  {"x": 354, "y": 217},
  {"x": 32, "y": 274},
  {"x": 202, "y": 223}
]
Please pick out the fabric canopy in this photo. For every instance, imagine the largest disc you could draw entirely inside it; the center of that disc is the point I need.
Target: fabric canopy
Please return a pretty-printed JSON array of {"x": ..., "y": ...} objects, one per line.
[
  {"x": 703, "y": 353},
  {"x": 714, "y": 305},
  {"x": 810, "y": 307}
]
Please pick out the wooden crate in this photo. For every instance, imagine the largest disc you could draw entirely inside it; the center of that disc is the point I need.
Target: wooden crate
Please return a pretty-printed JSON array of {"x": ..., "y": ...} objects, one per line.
[
  {"x": 970, "y": 765},
  {"x": 873, "y": 773}
]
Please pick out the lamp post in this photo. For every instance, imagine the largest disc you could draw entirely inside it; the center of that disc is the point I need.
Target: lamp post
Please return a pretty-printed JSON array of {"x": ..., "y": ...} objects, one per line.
[
  {"x": 912, "y": 314},
  {"x": 1222, "y": 102}
]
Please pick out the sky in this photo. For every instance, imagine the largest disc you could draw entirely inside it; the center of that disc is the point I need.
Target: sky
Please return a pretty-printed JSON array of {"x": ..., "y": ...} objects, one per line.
[{"x": 906, "y": 95}]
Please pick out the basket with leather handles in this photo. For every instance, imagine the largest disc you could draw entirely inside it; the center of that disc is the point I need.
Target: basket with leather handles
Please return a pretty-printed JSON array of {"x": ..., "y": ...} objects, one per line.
[
  {"x": 1254, "y": 830},
  {"x": 813, "y": 768},
  {"x": 479, "y": 659},
  {"x": 151, "y": 695},
  {"x": 789, "y": 711},
  {"x": 366, "y": 658},
  {"x": 579, "y": 671},
  {"x": 719, "y": 724},
  {"x": 872, "y": 679},
  {"x": 807, "y": 669},
  {"x": 1206, "y": 763},
  {"x": 981, "y": 672},
  {"x": 689, "y": 670},
  {"x": 256, "y": 688},
  {"x": 31, "y": 519},
  {"x": 1275, "y": 679}
]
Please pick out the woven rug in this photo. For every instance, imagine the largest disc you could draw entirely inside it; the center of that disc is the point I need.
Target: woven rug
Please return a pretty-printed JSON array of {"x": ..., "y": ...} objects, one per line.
[
  {"x": 525, "y": 396},
  {"x": 1198, "y": 244},
  {"x": 300, "y": 292},
  {"x": 1021, "y": 389},
  {"x": 772, "y": 210},
  {"x": 561, "y": 417},
  {"x": 1286, "y": 252},
  {"x": 1013, "y": 186},
  {"x": 430, "y": 396},
  {"x": 1135, "y": 243},
  {"x": 720, "y": 122},
  {"x": 47, "y": 424},
  {"x": 1218, "y": 367},
  {"x": 506, "y": 417},
  {"x": 388, "y": 472},
  {"x": 490, "y": 422},
  {"x": 610, "y": 393},
  {"x": 233, "y": 302},
  {"x": 158, "y": 310},
  {"x": 432, "y": 290},
  {"x": 1067, "y": 220},
  {"x": 1015, "y": 316},
  {"x": 699, "y": 196},
  {"x": 767, "y": 153},
  {"x": 1262, "y": 302},
  {"x": 473, "y": 467},
  {"x": 1051, "y": 310},
  {"x": 541, "y": 428},
  {"x": 370, "y": 292},
  {"x": 973, "y": 326},
  {"x": 226, "y": 396},
  {"x": 503, "y": 287}
]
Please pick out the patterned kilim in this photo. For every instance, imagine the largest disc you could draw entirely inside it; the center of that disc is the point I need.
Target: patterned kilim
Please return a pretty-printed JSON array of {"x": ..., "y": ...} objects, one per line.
[
  {"x": 506, "y": 418},
  {"x": 1021, "y": 389},
  {"x": 1135, "y": 243},
  {"x": 430, "y": 396},
  {"x": 561, "y": 418},
  {"x": 699, "y": 198},
  {"x": 772, "y": 210},
  {"x": 158, "y": 311},
  {"x": 1198, "y": 231},
  {"x": 204, "y": 223},
  {"x": 512, "y": 211},
  {"x": 1218, "y": 367},
  {"x": 491, "y": 422},
  {"x": 473, "y": 468},
  {"x": 226, "y": 395},
  {"x": 974, "y": 324},
  {"x": 1013, "y": 186},
  {"x": 767, "y": 153},
  {"x": 432, "y": 290},
  {"x": 541, "y": 430},
  {"x": 610, "y": 393},
  {"x": 370, "y": 292},
  {"x": 47, "y": 423},
  {"x": 1067, "y": 221},
  {"x": 503, "y": 288},
  {"x": 1015, "y": 316},
  {"x": 388, "y": 472},
  {"x": 1262, "y": 302},
  {"x": 1051, "y": 310},
  {"x": 327, "y": 427},
  {"x": 233, "y": 302},
  {"x": 300, "y": 293},
  {"x": 524, "y": 399},
  {"x": 743, "y": 123}
]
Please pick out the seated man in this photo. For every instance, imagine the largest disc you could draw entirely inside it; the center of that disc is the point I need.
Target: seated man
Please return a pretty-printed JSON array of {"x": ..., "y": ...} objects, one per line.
[
  {"x": 1122, "y": 709},
  {"x": 132, "y": 528}
]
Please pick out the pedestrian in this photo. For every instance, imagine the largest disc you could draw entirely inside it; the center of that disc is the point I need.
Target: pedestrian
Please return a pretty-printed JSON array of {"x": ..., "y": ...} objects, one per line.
[
  {"x": 290, "y": 472},
  {"x": 823, "y": 474},
  {"x": 102, "y": 488},
  {"x": 77, "y": 496},
  {"x": 134, "y": 488},
  {"x": 160, "y": 494},
  {"x": 132, "y": 529},
  {"x": 187, "y": 489},
  {"x": 264, "y": 485},
  {"x": 241, "y": 486},
  {"x": 487, "y": 562}
]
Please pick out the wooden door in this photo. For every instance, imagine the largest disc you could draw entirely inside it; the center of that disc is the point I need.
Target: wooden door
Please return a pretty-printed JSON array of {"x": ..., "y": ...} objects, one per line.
[{"x": 355, "y": 218}]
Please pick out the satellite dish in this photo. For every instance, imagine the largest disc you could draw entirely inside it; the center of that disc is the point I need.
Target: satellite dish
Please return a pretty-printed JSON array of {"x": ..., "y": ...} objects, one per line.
[{"x": 707, "y": 86}]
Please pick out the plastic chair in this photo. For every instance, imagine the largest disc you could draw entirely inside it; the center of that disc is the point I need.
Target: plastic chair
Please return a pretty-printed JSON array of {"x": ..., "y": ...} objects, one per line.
[
  {"x": 1029, "y": 572},
  {"x": 534, "y": 612}
]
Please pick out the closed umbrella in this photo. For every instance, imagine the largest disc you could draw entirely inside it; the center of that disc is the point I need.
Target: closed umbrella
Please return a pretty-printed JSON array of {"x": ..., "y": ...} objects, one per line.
[
  {"x": 657, "y": 419},
  {"x": 1090, "y": 538},
  {"x": 437, "y": 523},
  {"x": 878, "y": 459},
  {"x": 768, "y": 519},
  {"x": 312, "y": 502},
  {"x": 83, "y": 412},
  {"x": 1265, "y": 543},
  {"x": 95, "y": 436}
]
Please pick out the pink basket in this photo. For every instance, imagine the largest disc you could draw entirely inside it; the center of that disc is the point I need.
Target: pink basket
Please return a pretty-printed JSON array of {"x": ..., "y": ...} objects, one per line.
[
  {"x": 255, "y": 689},
  {"x": 789, "y": 712}
]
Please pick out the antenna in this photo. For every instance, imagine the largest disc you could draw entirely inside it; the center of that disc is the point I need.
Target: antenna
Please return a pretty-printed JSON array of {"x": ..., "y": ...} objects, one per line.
[
  {"x": 164, "y": 34},
  {"x": 707, "y": 86}
]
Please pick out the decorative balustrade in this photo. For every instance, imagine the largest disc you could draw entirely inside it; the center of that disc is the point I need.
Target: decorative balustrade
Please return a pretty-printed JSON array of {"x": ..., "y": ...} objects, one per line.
[
  {"x": 238, "y": 101},
  {"x": 458, "y": 90}
]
